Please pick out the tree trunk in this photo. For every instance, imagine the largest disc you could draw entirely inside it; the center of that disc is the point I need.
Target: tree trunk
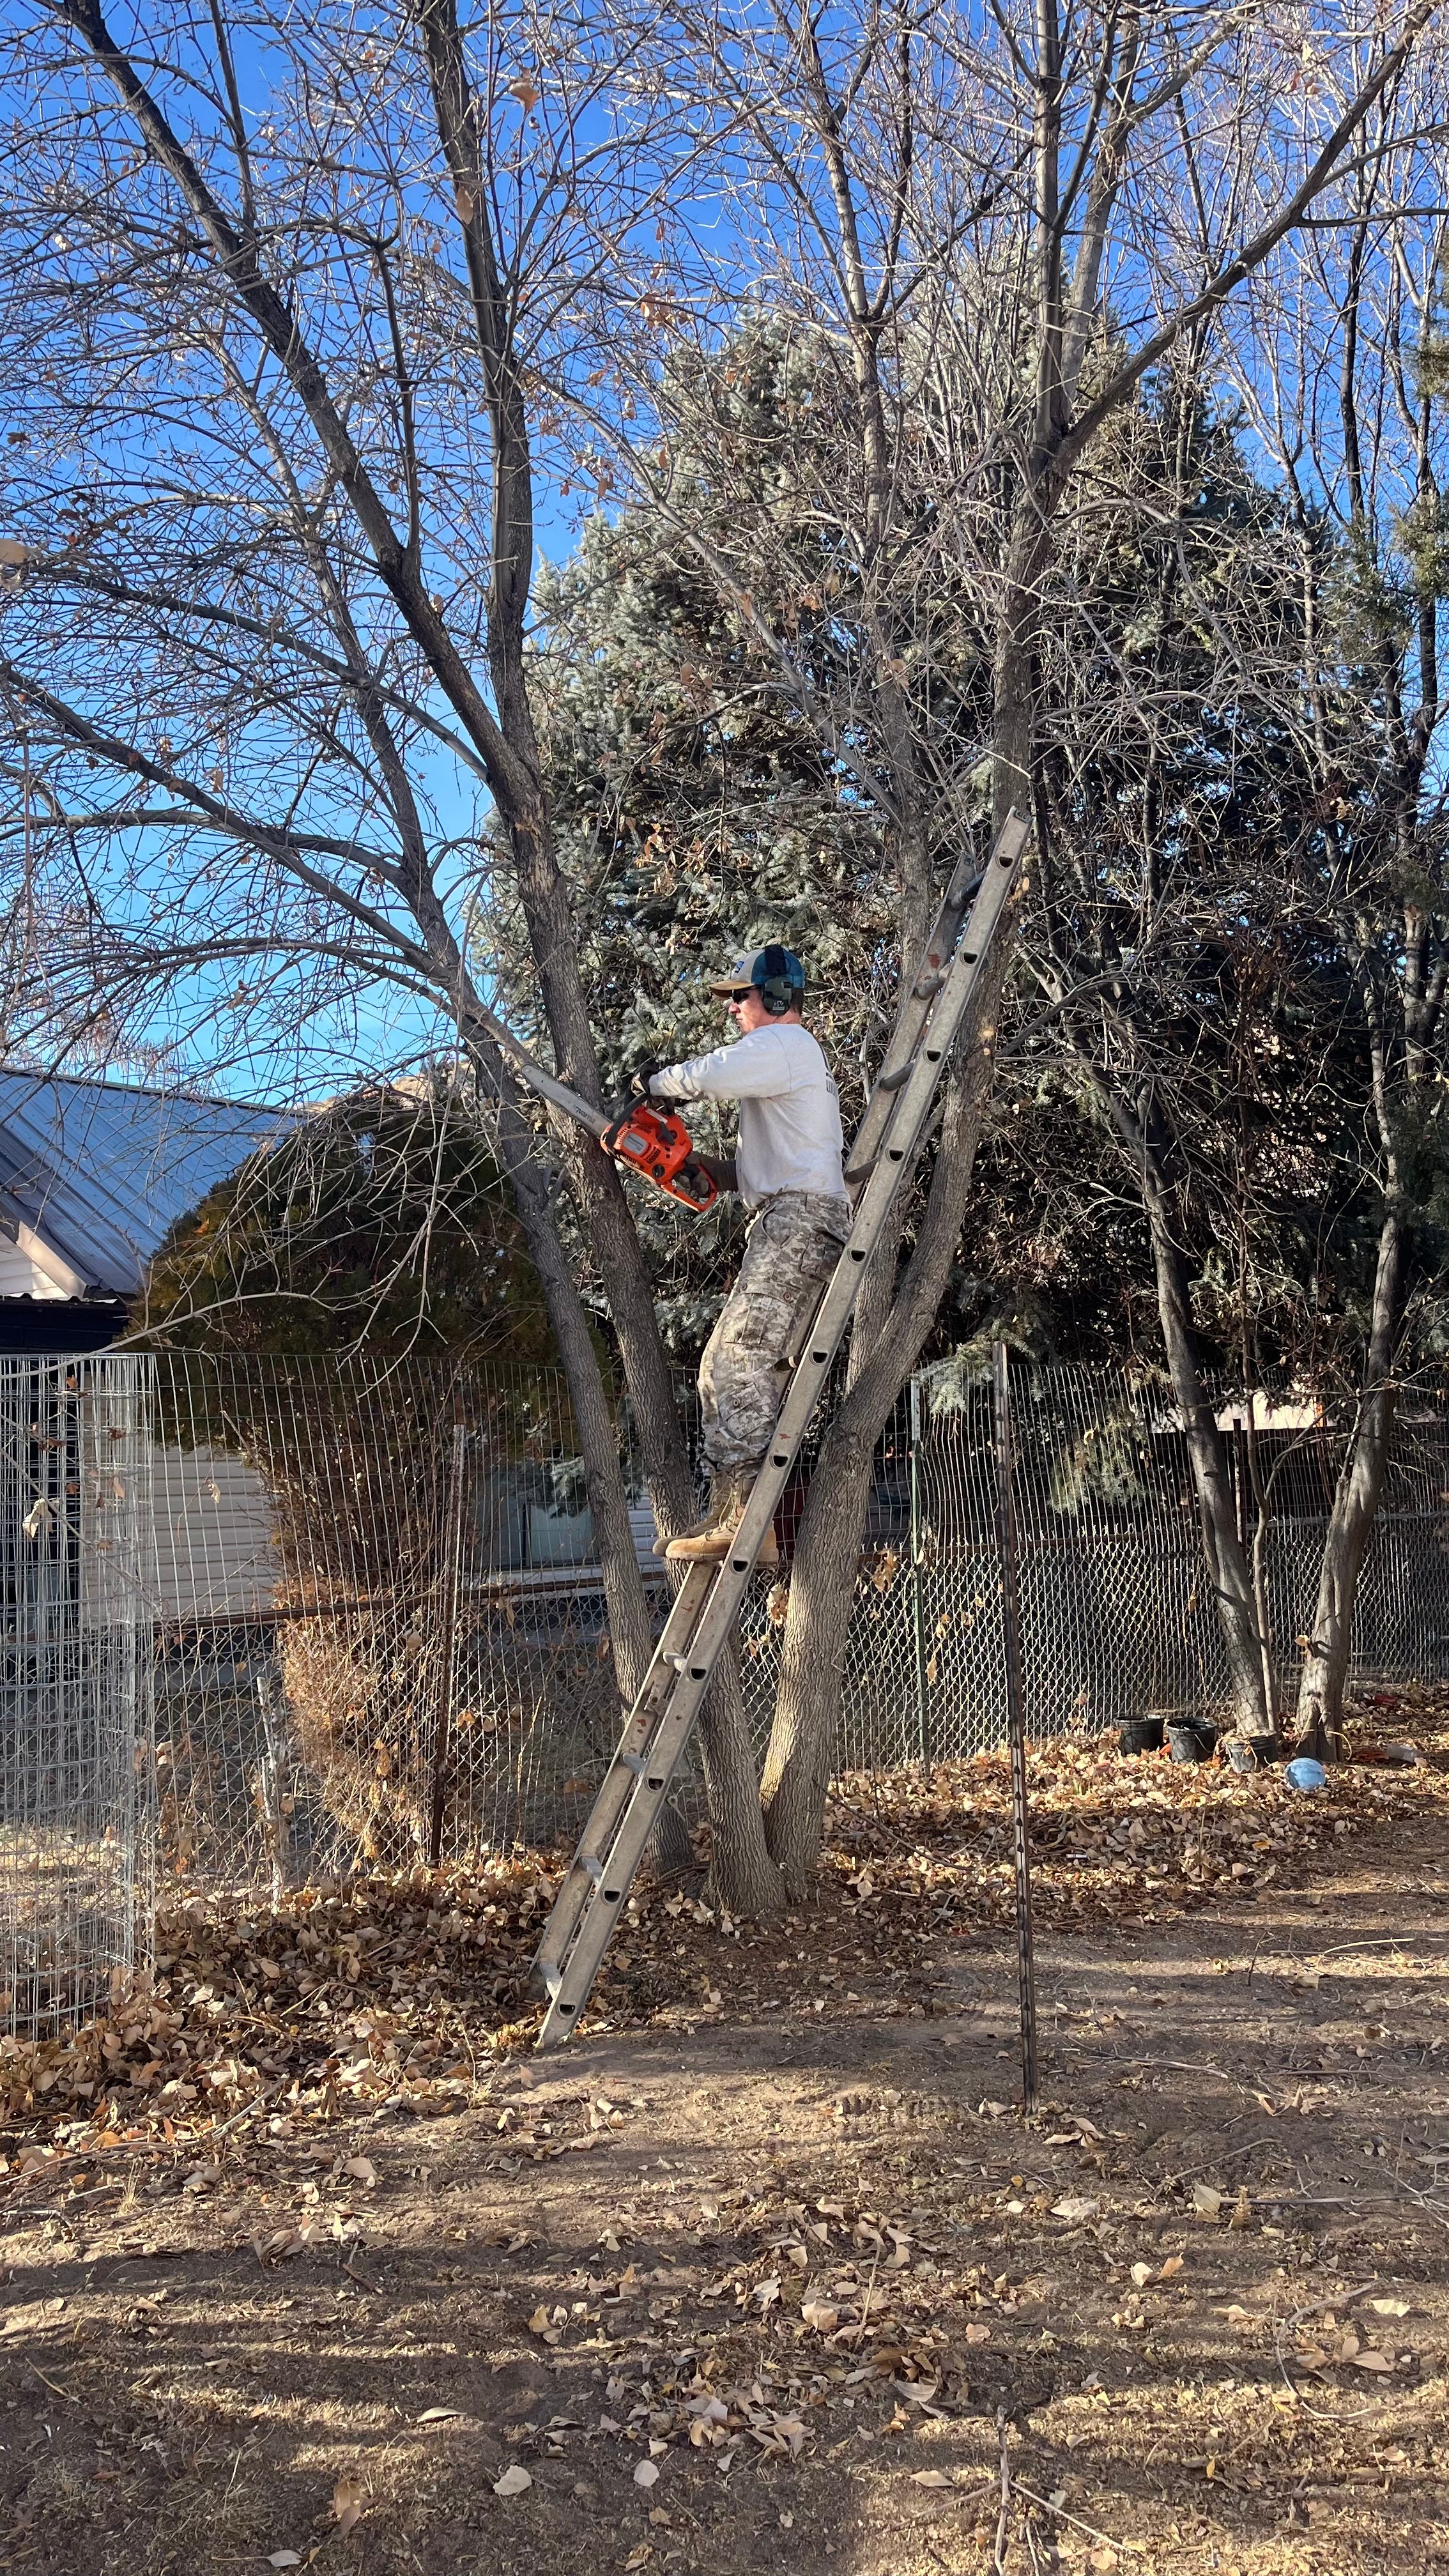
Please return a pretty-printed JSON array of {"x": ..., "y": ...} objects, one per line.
[
  {"x": 517, "y": 783},
  {"x": 742, "y": 1878},
  {"x": 801, "y": 1755},
  {"x": 1355, "y": 1507},
  {"x": 1228, "y": 1570}
]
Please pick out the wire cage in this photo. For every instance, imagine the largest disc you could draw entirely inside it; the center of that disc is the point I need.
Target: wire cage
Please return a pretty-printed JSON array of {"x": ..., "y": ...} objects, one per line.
[
  {"x": 272, "y": 1620},
  {"x": 76, "y": 1671}
]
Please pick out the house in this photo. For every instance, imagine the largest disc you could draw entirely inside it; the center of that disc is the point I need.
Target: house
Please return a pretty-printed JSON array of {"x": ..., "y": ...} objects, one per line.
[
  {"x": 93, "y": 1174},
  {"x": 92, "y": 1177}
]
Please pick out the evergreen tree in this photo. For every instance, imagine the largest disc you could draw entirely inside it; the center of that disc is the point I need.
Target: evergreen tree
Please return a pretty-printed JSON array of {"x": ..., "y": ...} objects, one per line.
[{"x": 378, "y": 1222}]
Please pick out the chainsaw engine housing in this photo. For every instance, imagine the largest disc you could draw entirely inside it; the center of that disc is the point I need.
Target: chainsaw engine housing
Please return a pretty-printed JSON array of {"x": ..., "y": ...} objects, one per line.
[{"x": 660, "y": 1146}]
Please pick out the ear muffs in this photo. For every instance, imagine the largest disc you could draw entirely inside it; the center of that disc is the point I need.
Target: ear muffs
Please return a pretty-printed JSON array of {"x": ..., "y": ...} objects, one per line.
[{"x": 777, "y": 992}]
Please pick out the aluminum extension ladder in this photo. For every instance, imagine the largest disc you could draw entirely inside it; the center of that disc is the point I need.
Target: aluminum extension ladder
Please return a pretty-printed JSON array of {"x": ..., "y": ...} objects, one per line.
[{"x": 704, "y": 1610}]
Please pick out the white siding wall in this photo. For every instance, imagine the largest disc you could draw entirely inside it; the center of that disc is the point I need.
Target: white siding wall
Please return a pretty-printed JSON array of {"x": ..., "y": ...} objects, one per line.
[
  {"x": 22, "y": 1277},
  {"x": 215, "y": 1557}
]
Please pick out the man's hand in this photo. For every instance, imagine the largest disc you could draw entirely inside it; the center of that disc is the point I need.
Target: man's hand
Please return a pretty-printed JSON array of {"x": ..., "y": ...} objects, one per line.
[
  {"x": 641, "y": 1078},
  {"x": 721, "y": 1170}
]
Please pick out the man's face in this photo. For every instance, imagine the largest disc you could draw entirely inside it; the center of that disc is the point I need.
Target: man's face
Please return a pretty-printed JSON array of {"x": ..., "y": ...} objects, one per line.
[{"x": 747, "y": 1009}]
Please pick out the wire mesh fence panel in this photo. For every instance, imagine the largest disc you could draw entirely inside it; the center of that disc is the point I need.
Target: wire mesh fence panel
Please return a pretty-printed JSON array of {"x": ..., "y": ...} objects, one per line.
[
  {"x": 1401, "y": 1611},
  {"x": 75, "y": 1673},
  {"x": 1113, "y": 1608},
  {"x": 536, "y": 1706},
  {"x": 1117, "y": 1616},
  {"x": 1114, "y": 1612},
  {"x": 380, "y": 1632},
  {"x": 382, "y": 1628}
]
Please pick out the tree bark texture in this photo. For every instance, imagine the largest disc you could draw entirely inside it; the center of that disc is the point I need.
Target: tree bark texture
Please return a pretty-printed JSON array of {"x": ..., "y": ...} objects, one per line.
[
  {"x": 1355, "y": 1507},
  {"x": 1228, "y": 1570}
]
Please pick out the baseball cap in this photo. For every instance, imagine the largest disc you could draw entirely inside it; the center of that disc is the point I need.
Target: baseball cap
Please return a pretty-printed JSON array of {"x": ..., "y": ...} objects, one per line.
[{"x": 760, "y": 967}]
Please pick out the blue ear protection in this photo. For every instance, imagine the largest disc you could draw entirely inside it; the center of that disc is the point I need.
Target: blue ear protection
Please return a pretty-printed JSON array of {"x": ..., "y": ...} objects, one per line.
[{"x": 778, "y": 993}]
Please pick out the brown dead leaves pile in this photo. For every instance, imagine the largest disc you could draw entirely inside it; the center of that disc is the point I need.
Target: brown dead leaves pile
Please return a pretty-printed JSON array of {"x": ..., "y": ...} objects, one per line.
[
  {"x": 813, "y": 2298},
  {"x": 345, "y": 1994},
  {"x": 413, "y": 1985},
  {"x": 1113, "y": 1838}
]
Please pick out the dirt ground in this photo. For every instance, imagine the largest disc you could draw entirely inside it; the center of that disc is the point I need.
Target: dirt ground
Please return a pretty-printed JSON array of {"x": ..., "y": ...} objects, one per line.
[{"x": 780, "y": 2277}]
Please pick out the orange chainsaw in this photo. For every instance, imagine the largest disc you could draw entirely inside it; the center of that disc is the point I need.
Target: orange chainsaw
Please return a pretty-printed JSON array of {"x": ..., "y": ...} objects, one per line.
[
  {"x": 645, "y": 1134},
  {"x": 653, "y": 1141}
]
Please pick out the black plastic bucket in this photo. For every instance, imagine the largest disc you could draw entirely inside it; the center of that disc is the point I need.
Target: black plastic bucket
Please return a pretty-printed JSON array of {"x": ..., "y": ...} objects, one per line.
[
  {"x": 1141, "y": 1735},
  {"x": 1191, "y": 1739},
  {"x": 1251, "y": 1752}
]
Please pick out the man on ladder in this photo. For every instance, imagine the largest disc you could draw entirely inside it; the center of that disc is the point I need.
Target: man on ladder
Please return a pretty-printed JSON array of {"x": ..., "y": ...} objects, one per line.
[
  {"x": 787, "y": 1169},
  {"x": 720, "y": 1557}
]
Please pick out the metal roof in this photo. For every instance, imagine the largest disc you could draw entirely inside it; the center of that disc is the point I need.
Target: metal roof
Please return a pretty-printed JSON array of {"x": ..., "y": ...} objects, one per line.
[{"x": 101, "y": 1170}]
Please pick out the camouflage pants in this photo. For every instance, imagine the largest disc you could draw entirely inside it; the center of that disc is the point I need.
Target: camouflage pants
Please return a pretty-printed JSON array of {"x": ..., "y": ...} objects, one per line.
[{"x": 793, "y": 1245}]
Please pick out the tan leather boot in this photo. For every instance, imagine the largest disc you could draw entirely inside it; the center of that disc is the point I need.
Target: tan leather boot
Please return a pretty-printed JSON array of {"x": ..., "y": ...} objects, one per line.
[
  {"x": 662, "y": 1546},
  {"x": 708, "y": 1543}
]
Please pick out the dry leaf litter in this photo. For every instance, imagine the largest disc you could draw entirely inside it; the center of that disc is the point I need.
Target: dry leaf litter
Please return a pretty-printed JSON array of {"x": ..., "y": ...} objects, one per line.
[
  {"x": 799, "y": 2304},
  {"x": 413, "y": 1986}
]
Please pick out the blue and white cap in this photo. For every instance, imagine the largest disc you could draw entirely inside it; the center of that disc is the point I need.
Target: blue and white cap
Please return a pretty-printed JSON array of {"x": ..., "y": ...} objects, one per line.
[{"x": 775, "y": 966}]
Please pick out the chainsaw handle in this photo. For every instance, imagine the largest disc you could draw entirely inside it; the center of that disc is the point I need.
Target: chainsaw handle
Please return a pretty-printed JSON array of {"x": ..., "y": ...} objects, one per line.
[{"x": 693, "y": 1186}]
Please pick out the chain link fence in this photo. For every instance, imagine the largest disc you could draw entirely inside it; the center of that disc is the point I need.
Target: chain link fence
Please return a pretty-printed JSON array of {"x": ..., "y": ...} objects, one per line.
[
  {"x": 1117, "y": 1618},
  {"x": 274, "y": 1620}
]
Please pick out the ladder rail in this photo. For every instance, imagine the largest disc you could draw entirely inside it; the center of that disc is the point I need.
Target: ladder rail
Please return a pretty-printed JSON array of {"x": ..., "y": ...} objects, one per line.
[
  {"x": 704, "y": 1611},
  {"x": 606, "y": 1814}
]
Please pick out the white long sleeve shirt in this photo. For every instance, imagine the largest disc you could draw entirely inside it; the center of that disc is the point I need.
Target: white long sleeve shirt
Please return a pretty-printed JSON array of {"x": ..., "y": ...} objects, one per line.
[{"x": 790, "y": 1136}]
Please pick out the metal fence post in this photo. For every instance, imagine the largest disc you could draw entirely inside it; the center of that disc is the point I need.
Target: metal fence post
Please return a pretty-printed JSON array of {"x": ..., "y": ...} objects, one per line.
[
  {"x": 274, "y": 1773},
  {"x": 448, "y": 1638},
  {"x": 918, "y": 1613},
  {"x": 1015, "y": 1712}
]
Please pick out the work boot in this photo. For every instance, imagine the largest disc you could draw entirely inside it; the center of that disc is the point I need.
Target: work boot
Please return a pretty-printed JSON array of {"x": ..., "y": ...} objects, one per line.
[
  {"x": 708, "y": 1543},
  {"x": 662, "y": 1546}
]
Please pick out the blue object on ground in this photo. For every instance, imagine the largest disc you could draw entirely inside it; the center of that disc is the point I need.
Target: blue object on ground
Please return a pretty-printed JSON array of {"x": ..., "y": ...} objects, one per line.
[{"x": 1306, "y": 1774}]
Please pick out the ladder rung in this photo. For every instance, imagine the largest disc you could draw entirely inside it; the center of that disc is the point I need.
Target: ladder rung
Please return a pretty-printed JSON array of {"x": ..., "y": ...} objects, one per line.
[
  {"x": 636, "y": 1763},
  {"x": 552, "y": 1980},
  {"x": 897, "y": 1081},
  {"x": 592, "y": 1867}
]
